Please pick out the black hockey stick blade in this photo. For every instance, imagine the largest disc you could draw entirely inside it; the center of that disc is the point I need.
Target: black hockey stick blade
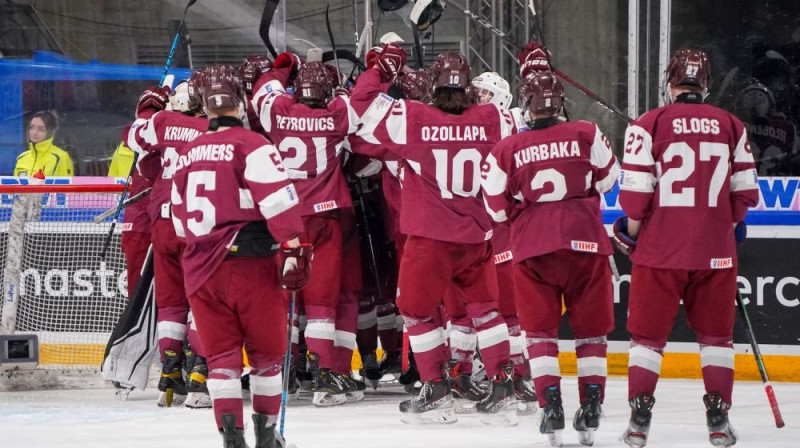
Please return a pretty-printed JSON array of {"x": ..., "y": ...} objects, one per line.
[
  {"x": 266, "y": 20},
  {"x": 343, "y": 54}
]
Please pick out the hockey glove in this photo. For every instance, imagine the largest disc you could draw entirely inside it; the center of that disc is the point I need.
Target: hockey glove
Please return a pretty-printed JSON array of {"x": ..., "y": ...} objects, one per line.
[
  {"x": 391, "y": 61},
  {"x": 532, "y": 59},
  {"x": 290, "y": 61},
  {"x": 621, "y": 239},
  {"x": 372, "y": 56},
  {"x": 296, "y": 266},
  {"x": 153, "y": 99},
  {"x": 740, "y": 233}
]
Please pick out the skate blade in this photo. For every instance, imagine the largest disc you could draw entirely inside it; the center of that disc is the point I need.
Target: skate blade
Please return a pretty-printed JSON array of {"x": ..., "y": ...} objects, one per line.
[
  {"x": 633, "y": 439},
  {"x": 525, "y": 408},
  {"x": 464, "y": 406},
  {"x": 373, "y": 384},
  {"x": 123, "y": 394},
  {"x": 170, "y": 398},
  {"x": 586, "y": 437},
  {"x": 325, "y": 399},
  {"x": 556, "y": 437},
  {"x": 721, "y": 439},
  {"x": 506, "y": 416},
  {"x": 352, "y": 397},
  {"x": 439, "y": 416},
  {"x": 198, "y": 400}
]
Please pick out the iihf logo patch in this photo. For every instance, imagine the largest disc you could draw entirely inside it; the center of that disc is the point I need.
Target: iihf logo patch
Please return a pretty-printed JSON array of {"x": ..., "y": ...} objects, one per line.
[
  {"x": 721, "y": 263},
  {"x": 290, "y": 192}
]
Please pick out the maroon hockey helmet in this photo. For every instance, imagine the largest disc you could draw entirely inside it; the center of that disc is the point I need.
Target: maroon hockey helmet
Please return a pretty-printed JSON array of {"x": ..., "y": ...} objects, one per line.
[
  {"x": 417, "y": 85},
  {"x": 251, "y": 69},
  {"x": 193, "y": 87},
  {"x": 689, "y": 67},
  {"x": 313, "y": 83},
  {"x": 451, "y": 69},
  {"x": 333, "y": 73},
  {"x": 543, "y": 94},
  {"x": 221, "y": 87}
]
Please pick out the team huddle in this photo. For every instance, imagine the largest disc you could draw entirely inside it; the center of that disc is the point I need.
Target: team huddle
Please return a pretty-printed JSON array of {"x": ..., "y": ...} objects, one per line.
[{"x": 421, "y": 200}]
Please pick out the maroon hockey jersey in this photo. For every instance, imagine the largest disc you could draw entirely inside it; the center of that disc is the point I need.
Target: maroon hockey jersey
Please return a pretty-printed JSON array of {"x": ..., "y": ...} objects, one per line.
[
  {"x": 441, "y": 154},
  {"x": 310, "y": 141},
  {"x": 222, "y": 181},
  {"x": 135, "y": 218},
  {"x": 548, "y": 182},
  {"x": 163, "y": 134},
  {"x": 688, "y": 174}
]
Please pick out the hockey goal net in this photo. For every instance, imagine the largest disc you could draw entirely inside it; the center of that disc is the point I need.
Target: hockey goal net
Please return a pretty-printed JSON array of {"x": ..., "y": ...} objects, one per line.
[{"x": 55, "y": 285}]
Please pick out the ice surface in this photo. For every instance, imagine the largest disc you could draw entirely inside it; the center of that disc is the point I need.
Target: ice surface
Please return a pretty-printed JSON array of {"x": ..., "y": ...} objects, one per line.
[{"x": 95, "y": 418}]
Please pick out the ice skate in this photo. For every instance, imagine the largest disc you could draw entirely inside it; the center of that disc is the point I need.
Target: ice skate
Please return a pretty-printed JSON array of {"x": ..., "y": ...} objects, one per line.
[
  {"x": 720, "y": 431},
  {"x": 499, "y": 406},
  {"x": 392, "y": 363},
  {"x": 371, "y": 370},
  {"x": 198, "y": 397},
  {"x": 465, "y": 389},
  {"x": 266, "y": 437},
  {"x": 122, "y": 390},
  {"x": 305, "y": 377},
  {"x": 639, "y": 425},
  {"x": 354, "y": 388},
  {"x": 587, "y": 418},
  {"x": 434, "y": 404},
  {"x": 527, "y": 401},
  {"x": 410, "y": 377},
  {"x": 552, "y": 418},
  {"x": 171, "y": 386},
  {"x": 232, "y": 437},
  {"x": 330, "y": 388}
]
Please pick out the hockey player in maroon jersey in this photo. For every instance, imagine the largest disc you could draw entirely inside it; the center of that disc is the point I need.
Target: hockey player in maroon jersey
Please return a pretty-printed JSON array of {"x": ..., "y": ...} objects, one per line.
[
  {"x": 688, "y": 178},
  {"x": 547, "y": 182},
  {"x": 442, "y": 147},
  {"x": 251, "y": 70},
  {"x": 227, "y": 182},
  {"x": 491, "y": 88},
  {"x": 136, "y": 224},
  {"x": 158, "y": 136},
  {"x": 309, "y": 129}
]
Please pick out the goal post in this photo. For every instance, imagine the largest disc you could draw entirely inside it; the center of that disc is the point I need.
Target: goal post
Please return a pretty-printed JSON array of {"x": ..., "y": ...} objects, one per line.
[{"x": 55, "y": 286}]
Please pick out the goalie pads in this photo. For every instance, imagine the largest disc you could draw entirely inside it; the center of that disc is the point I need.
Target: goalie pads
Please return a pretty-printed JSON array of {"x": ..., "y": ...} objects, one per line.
[
  {"x": 134, "y": 342},
  {"x": 622, "y": 241}
]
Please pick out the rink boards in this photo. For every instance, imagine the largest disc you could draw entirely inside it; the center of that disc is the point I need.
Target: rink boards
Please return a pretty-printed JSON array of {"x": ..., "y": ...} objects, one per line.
[{"x": 769, "y": 280}]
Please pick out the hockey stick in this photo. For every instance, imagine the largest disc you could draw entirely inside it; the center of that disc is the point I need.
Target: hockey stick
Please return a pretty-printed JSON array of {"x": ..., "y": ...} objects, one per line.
[
  {"x": 550, "y": 66},
  {"x": 373, "y": 258},
  {"x": 130, "y": 201},
  {"x": 114, "y": 222},
  {"x": 751, "y": 337},
  {"x": 504, "y": 37},
  {"x": 287, "y": 361},
  {"x": 175, "y": 42},
  {"x": 333, "y": 42},
  {"x": 266, "y": 20}
]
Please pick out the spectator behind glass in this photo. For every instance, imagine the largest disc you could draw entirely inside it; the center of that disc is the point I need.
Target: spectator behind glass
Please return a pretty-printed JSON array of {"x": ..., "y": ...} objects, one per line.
[
  {"x": 42, "y": 154},
  {"x": 773, "y": 137}
]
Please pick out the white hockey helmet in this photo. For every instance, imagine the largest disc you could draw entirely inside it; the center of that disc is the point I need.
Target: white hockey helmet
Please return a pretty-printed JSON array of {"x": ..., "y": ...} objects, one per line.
[
  {"x": 489, "y": 87},
  {"x": 179, "y": 97}
]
